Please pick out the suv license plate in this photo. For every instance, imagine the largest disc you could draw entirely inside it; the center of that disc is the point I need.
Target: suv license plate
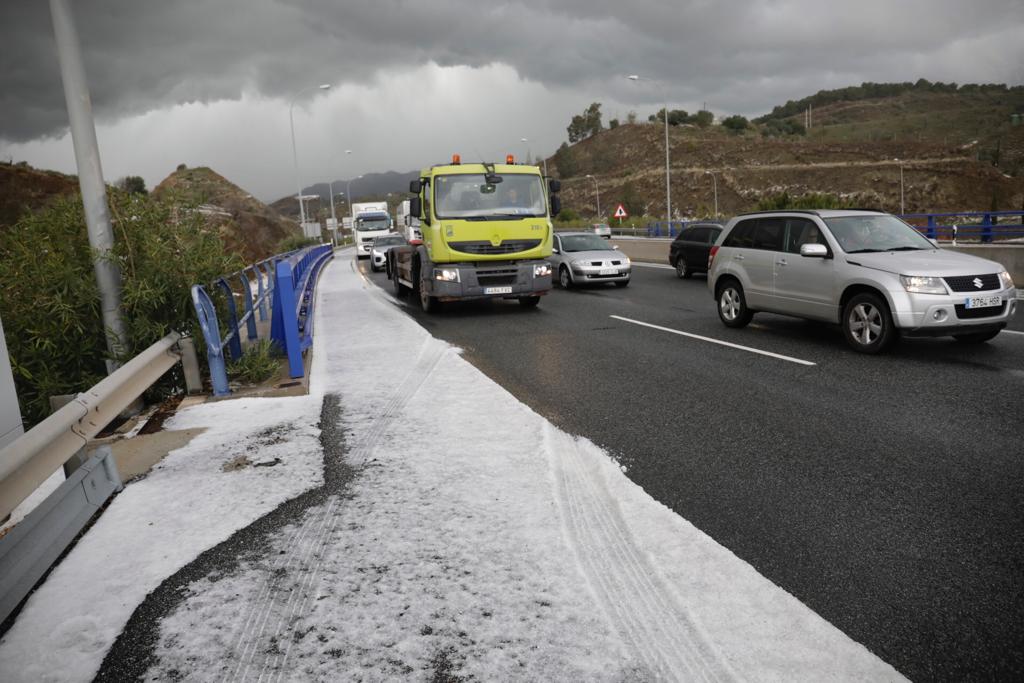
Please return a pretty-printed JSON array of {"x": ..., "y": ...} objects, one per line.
[
  {"x": 984, "y": 301},
  {"x": 609, "y": 271},
  {"x": 497, "y": 290}
]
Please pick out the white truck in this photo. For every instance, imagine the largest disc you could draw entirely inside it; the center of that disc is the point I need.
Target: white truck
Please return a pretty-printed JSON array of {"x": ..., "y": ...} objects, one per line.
[
  {"x": 407, "y": 224},
  {"x": 370, "y": 220}
]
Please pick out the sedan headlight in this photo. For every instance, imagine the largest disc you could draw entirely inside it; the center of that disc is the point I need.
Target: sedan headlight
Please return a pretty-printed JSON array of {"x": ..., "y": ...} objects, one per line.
[
  {"x": 626, "y": 261},
  {"x": 446, "y": 274},
  {"x": 920, "y": 284},
  {"x": 1006, "y": 280},
  {"x": 543, "y": 270}
]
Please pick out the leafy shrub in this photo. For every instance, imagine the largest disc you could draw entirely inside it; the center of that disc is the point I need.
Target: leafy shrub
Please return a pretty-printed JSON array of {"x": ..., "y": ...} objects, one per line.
[
  {"x": 811, "y": 200},
  {"x": 257, "y": 364},
  {"x": 51, "y": 307},
  {"x": 293, "y": 242},
  {"x": 735, "y": 123}
]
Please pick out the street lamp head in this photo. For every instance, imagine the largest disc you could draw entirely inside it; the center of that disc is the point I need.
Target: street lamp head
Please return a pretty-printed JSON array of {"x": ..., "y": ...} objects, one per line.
[
  {"x": 633, "y": 77},
  {"x": 325, "y": 86},
  {"x": 348, "y": 151},
  {"x": 523, "y": 140},
  {"x": 589, "y": 176}
]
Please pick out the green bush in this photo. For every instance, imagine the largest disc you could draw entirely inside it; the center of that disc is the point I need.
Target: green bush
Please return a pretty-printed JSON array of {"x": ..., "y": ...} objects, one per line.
[
  {"x": 811, "y": 200},
  {"x": 257, "y": 364},
  {"x": 50, "y": 306},
  {"x": 293, "y": 242}
]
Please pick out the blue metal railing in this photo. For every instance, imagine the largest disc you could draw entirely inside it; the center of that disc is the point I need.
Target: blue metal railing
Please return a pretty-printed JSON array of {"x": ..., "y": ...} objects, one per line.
[
  {"x": 981, "y": 226},
  {"x": 281, "y": 279}
]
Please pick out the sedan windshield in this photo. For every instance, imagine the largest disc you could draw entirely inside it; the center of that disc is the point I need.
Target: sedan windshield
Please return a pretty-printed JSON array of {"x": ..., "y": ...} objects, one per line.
[
  {"x": 471, "y": 196},
  {"x": 863, "y": 234},
  {"x": 585, "y": 243}
]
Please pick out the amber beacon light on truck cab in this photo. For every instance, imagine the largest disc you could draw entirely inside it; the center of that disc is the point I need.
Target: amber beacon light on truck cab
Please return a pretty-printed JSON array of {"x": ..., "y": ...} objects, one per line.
[{"x": 487, "y": 233}]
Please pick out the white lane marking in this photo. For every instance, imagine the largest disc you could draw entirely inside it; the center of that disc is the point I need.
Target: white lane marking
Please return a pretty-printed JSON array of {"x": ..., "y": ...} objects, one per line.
[
  {"x": 715, "y": 341},
  {"x": 653, "y": 265}
]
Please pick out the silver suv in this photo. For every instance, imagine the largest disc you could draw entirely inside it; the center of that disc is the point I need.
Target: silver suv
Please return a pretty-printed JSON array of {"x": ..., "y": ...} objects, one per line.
[{"x": 868, "y": 271}]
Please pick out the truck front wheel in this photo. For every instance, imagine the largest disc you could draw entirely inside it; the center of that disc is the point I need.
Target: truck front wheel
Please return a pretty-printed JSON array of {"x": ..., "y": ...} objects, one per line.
[{"x": 428, "y": 303}]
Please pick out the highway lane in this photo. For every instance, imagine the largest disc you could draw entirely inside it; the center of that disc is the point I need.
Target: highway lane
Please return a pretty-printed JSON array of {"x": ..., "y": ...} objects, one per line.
[{"x": 887, "y": 492}]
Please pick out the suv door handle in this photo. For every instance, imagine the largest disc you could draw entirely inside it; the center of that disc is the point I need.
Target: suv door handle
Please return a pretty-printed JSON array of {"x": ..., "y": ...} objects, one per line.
[{"x": 738, "y": 257}]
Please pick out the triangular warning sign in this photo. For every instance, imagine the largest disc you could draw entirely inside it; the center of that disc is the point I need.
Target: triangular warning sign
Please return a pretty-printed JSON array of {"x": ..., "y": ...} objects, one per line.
[{"x": 620, "y": 212}]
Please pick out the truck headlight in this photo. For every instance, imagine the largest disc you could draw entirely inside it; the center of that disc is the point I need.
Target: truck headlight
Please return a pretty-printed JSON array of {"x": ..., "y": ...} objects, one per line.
[
  {"x": 446, "y": 274},
  {"x": 920, "y": 284},
  {"x": 543, "y": 270},
  {"x": 1007, "y": 281}
]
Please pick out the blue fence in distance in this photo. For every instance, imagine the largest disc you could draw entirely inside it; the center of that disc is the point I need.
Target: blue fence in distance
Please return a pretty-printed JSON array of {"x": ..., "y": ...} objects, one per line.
[
  {"x": 965, "y": 226},
  {"x": 280, "y": 281}
]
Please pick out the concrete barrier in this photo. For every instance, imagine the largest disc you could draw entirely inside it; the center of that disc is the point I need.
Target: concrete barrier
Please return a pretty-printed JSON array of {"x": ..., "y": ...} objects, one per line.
[{"x": 654, "y": 250}]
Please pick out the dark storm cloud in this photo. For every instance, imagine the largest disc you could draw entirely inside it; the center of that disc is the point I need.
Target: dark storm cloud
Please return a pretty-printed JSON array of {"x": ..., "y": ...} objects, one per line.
[{"x": 740, "y": 56}]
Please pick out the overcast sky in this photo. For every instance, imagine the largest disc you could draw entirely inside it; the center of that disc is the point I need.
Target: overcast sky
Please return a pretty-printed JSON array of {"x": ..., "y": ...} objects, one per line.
[{"x": 209, "y": 82}]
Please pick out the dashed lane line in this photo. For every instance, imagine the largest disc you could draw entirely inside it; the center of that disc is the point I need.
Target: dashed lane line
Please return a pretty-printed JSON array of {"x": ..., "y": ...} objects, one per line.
[{"x": 711, "y": 340}]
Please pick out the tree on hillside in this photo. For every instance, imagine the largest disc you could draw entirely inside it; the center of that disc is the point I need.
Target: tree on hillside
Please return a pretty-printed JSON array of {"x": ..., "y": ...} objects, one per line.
[
  {"x": 614, "y": 123},
  {"x": 631, "y": 200},
  {"x": 736, "y": 123},
  {"x": 565, "y": 160},
  {"x": 132, "y": 184},
  {"x": 703, "y": 118},
  {"x": 586, "y": 124}
]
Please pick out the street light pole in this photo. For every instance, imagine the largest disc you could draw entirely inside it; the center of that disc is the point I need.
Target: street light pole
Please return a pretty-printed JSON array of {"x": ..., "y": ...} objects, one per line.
[
  {"x": 668, "y": 175},
  {"x": 527, "y": 143},
  {"x": 597, "y": 191},
  {"x": 295, "y": 154},
  {"x": 714, "y": 179},
  {"x": 90, "y": 177},
  {"x": 900, "y": 162}
]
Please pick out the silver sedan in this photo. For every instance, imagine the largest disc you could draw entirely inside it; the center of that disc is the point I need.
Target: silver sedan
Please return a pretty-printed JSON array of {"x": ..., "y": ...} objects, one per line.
[
  {"x": 380, "y": 247},
  {"x": 584, "y": 258}
]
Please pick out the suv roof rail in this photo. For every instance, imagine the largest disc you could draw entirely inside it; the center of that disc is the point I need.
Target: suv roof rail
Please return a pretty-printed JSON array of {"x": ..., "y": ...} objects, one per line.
[{"x": 813, "y": 212}]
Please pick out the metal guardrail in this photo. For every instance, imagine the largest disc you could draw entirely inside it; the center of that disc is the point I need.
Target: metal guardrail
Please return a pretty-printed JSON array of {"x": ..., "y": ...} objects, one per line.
[
  {"x": 278, "y": 279},
  {"x": 980, "y": 226},
  {"x": 35, "y": 542}
]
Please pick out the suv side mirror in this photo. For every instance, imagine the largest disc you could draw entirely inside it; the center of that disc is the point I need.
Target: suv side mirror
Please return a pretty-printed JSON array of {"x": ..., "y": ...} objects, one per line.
[
  {"x": 814, "y": 250},
  {"x": 556, "y": 205},
  {"x": 415, "y": 206},
  {"x": 554, "y": 185},
  {"x": 415, "y": 186}
]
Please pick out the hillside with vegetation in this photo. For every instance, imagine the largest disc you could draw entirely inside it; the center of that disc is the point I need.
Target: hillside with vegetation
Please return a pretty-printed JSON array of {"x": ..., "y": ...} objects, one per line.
[
  {"x": 247, "y": 226},
  {"x": 24, "y": 189},
  {"x": 958, "y": 146}
]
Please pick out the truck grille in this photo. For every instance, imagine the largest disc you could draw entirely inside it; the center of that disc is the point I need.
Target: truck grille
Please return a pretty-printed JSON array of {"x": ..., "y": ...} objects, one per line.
[
  {"x": 964, "y": 313},
  {"x": 965, "y": 283},
  {"x": 506, "y": 247},
  {"x": 496, "y": 277}
]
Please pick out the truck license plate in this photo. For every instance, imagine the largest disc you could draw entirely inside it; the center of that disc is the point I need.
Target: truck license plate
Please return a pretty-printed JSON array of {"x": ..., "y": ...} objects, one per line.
[
  {"x": 984, "y": 301},
  {"x": 497, "y": 290}
]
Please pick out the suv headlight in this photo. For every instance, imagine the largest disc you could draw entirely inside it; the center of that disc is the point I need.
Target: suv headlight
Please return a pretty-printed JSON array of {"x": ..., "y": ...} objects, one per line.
[
  {"x": 920, "y": 284},
  {"x": 1007, "y": 281},
  {"x": 543, "y": 270},
  {"x": 446, "y": 274}
]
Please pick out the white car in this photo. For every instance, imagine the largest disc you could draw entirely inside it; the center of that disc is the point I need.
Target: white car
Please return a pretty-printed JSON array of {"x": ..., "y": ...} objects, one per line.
[
  {"x": 380, "y": 247},
  {"x": 602, "y": 229}
]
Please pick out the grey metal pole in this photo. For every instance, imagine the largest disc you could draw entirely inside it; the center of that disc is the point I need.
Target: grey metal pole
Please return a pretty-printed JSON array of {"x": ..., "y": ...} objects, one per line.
[
  {"x": 90, "y": 177},
  {"x": 295, "y": 159},
  {"x": 668, "y": 174},
  {"x": 902, "y": 210}
]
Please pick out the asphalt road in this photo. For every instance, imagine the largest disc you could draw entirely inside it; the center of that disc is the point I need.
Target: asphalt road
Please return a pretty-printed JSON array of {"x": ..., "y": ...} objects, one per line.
[{"x": 887, "y": 492}]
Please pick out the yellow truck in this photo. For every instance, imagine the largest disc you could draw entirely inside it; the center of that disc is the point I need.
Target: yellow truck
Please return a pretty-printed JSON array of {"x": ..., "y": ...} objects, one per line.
[{"x": 487, "y": 234}]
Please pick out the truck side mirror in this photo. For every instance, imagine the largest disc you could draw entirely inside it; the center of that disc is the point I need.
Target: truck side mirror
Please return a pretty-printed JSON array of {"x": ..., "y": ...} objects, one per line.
[
  {"x": 556, "y": 205},
  {"x": 554, "y": 185},
  {"x": 415, "y": 205},
  {"x": 415, "y": 186}
]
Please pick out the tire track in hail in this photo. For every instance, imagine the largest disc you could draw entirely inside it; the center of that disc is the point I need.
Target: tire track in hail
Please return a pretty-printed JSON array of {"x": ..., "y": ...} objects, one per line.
[
  {"x": 666, "y": 638},
  {"x": 288, "y": 603}
]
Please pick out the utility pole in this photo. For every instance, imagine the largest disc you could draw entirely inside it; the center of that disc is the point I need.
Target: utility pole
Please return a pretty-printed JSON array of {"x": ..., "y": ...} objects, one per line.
[{"x": 90, "y": 177}]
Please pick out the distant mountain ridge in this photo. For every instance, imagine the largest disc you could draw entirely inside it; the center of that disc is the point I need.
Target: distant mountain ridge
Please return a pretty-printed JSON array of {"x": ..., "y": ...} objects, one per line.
[{"x": 370, "y": 185}]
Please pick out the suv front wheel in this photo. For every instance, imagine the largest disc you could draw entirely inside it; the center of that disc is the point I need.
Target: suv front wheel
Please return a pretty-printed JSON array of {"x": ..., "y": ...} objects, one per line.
[
  {"x": 867, "y": 323},
  {"x": 732, "y": 305}
]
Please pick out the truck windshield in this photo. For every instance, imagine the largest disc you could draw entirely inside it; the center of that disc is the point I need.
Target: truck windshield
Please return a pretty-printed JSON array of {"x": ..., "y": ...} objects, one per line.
[
  {"x": 367, "y": 224},
  {"x": 470, "y": 196},
  {"x": 585, "y": 243}
]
